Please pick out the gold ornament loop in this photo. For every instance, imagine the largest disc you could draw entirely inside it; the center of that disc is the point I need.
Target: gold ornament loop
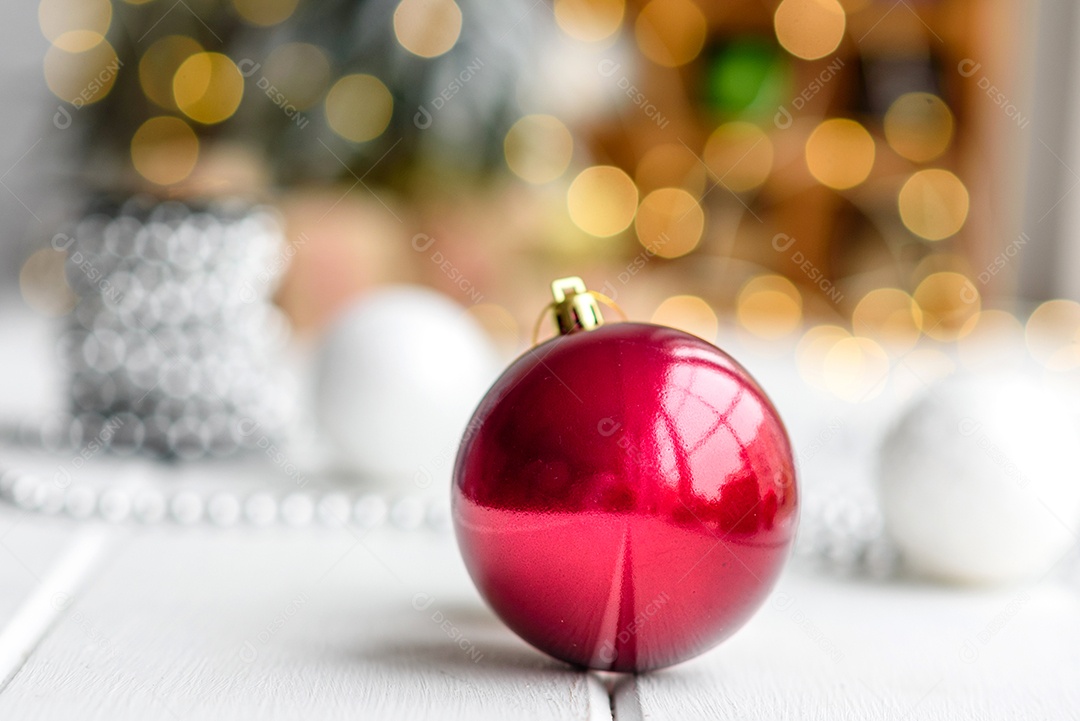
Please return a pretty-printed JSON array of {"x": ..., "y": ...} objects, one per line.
[{"x": 574, "y": 308}]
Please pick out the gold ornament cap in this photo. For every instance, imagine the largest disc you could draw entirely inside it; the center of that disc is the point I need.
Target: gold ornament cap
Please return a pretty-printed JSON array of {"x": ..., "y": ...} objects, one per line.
[{"x": 575, "y": 307}]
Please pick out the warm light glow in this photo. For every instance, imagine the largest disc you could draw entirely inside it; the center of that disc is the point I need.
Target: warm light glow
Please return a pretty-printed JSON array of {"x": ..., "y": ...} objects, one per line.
[
  {"x": 602, "y": 200},
  {"x": 589, "y": 20},
  {"x": 164, "y": 150},
  {"x": 538, "y": 148},
  {"x": 919, "y": 126},
  {"x": 669, "y": 222},
  {"x": 43, "y": 284},
  {"x": 208, "y": 87},
  {"x": 933, "y": 204},
  {"x": 770, "y": 307},
  {"x": 265, "y": 12},
  {"x": 159, "y": 64},
  {"x": 856, "y": 369},
  {"x": 427, "y": 28},
  {"x": 840, "y": 153},
  {"x": 810, "y": 29},
  {"x": 890, "y": 317},
  {"x": 75, "y": 26},
  {"x": 499, "y": 323},
  {"x": 740, "y": 155},
  {"x": 300, "y": 72},
  {"x": 358, "y": 107},
  {"x": 947, "y": 300},
  {"x": 813, "y": 348},
  {"x": 83, "y": 77},
  {"x": 670, "y": 32},
  {"x": 1053, "y": 334},
  {"x": 688, "y": 313},
  {"x": 991, "y": 339},
  {"x": 670, "y": 165}
]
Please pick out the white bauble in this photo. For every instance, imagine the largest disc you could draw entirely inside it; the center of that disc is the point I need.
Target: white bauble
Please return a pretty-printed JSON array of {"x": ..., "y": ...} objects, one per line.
[
  {"x": 398, "y": 376},
  {"x": 979, "y": 480}
]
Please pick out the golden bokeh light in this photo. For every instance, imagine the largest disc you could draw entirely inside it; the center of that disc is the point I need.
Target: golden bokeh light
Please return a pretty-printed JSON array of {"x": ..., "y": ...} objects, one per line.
[
  {"x": 299, "y": 71},
  {"x": 669, "y": 222},
  {"x": 1053, "y": 334},
  {"x": 358, "y": 107},
  {"x": 43, "y": 284},
  {"x": 770, "y": 307},
  {"x": 919, "y": 369},
  {"x": 919, "y": 126},
  {"x": 602, "y": 200},
  {"x": 670, "y": 32},
  {"x": 427, "y": 28},
  {"x": 265, "y": 13},
  {"x": 991, "y": 339},
  {"x": 688, "y": 313},
  {"x": 810, "y": 29},
  {"x": 856, "y": 369},
  {"x": 890, "y": 317},
  {"x": 159, "y": 64},
  {"x": 589, "y": 20},
  {"x": 933, "y": 204},
  {"x": 840, "y": 153},
  {"x": 813, "y": 348},
  {"x": 948, "y": 300},
  {"x": 82, "y": 77},
  {"x": 208, "y": 87},
  {"x": 164, "y": 150},
  {"x": 740, "y": 155},
  {"x": 75, "y": 26},
  {"x": 538, "y": 148},
  {"x": 670, "y": 165}
]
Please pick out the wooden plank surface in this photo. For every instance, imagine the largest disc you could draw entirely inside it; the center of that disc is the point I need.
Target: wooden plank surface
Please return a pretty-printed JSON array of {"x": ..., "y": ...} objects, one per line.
[
  {"x": 835, "y": 649},
  {"x": 285, "y": 625}
]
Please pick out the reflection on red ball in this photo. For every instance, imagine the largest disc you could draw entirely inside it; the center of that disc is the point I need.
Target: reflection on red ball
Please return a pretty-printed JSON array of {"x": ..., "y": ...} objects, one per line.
[{"x": 625, "y": 497}]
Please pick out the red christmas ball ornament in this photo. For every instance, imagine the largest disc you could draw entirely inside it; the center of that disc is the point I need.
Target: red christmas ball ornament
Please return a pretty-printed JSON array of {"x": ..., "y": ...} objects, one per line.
[{"x": 624, "y": 497}]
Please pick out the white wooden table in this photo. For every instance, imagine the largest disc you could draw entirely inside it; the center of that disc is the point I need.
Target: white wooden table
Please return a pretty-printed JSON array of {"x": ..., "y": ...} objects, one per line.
[{"x": 143, "y": 623}]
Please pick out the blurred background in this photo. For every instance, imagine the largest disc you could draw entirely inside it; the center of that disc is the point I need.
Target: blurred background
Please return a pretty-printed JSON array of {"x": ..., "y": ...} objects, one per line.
[{"x": 841, "y": 183}]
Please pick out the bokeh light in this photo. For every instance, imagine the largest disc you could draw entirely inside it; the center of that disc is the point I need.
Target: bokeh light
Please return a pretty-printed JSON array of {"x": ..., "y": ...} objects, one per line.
[
  {"x": 669, "y": 222},
  {"x": 670, "y": 165},
  {"x": 770, "y": 307},
  {"x": 299, "y": 71},
  {"x": 43, "y": 284},
  {"x": 948, "y": 300},
  {"x": 602, "y": 200},
  {"x": 589, "y": 20},
  {"x": 840, "y": 153},
  {"x": 427, "y": 28},
  {"x": 538, "y": 148},
  {"x": 919, "y": 126},
  {"x": 164, "y": 150},
  {"x": 75, "y": 26},
  {"x": 670, "y": 32},
  {"x": 810, "y": 29},
  {"x": 358, "y": 107},
  {"x": 688, "y": 313},
  {"x": 81, "y": 77},
  {"x": 813, "y": 348},
  {"x": 499, "y": 323},
  {"x": 856, "y": 369},
  {"x": 208, "y": 87},
  {"x": 890, "y": 317},
  {"x": 265, "y": 12},
  {"x": 991, "y": 339},
  {"x": 740, "y": 155},
  {"x": 158, "y": 66},
  {"x": 933, "y": 204},
  {"x": 1053, "y": 334}
]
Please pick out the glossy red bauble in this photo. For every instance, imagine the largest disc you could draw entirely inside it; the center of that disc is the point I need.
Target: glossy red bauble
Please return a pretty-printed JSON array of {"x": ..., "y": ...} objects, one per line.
[{"x": 625, "y": 497}]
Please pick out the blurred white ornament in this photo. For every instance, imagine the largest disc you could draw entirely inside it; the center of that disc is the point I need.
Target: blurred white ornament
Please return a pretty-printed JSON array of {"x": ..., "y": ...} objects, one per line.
[
  {"x": 399, "y": 374},
  {"x": 979, "y": 480}
]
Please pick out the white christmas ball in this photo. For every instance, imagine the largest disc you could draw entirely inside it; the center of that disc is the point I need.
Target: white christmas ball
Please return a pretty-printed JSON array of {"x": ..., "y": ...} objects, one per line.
[
  {"x": 979, "y": 480},
  {"x": 398, "y": 376}
]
